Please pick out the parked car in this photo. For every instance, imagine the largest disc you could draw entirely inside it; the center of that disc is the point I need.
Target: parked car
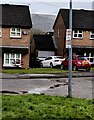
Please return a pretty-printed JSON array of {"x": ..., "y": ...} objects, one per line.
[
  {"x": 35, "y": 63},
  {"x": 78, "y": 62},
  {"x": 52, "y": 61}
]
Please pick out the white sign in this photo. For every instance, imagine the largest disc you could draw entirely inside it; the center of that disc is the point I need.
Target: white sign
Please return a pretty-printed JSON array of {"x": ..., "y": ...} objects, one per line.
[{"x": 68, "y": 38}]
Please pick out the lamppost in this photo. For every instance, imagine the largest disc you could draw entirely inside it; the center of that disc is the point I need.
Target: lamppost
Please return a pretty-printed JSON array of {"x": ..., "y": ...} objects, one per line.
[{"x": 70, "y": 53}]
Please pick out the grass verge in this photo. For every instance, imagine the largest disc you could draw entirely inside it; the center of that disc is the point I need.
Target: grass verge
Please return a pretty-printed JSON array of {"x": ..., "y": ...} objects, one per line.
[
  {"x": 37, "y": 71},
  {"x": 43, "y": 107},
  {"x": 34, "y": 71}
]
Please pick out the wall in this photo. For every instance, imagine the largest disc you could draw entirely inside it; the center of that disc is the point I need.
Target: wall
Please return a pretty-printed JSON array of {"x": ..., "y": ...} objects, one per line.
[
  {"x": 24, "y": 41},
  {"x": 85, "y": 41},
  {"x": 6, "y": 40},
  {"x": 59, "y": 34}
]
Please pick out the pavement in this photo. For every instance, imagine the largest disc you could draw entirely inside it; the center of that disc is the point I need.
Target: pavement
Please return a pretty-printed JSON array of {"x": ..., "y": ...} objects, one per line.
[{"x": 63, "y": 75}]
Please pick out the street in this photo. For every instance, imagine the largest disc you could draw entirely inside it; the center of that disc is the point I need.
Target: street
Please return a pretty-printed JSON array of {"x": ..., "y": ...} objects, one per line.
[{"x": 82, "y": 87}]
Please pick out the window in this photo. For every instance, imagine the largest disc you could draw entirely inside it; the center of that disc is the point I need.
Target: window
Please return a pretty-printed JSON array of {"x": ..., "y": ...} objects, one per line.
[
  {"x": 92, "y": 35},
  {"x": 90, "y": 57},
  {"x": 15, "y": 32},
  {"x": 48, "y": 58},
  {"x": 12, "y": 59},
  {"x": 77, "y": 34},
  {"x": 0, "y": 32}
]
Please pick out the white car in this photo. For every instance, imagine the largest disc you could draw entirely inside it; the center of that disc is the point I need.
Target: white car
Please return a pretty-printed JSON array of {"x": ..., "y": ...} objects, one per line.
[{"x": 52, "y": 61}]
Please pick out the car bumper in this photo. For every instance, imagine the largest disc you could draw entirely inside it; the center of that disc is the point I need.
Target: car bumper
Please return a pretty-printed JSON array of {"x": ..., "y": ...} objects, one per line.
[{"x": 84, "y": 66}]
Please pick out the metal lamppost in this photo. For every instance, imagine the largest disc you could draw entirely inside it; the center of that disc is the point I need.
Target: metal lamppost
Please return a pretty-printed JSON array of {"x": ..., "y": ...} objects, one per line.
[{"x": 70, "y": 53}]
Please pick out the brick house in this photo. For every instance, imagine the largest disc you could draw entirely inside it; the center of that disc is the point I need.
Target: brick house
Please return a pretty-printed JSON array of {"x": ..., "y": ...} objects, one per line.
[
  {"x": 82, "y": 32},
  {"x": 15, "y": 34}
]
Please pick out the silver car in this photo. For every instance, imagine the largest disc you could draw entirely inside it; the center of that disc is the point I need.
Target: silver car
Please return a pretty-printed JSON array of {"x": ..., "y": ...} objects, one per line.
[{"x": 52, "y": 61}]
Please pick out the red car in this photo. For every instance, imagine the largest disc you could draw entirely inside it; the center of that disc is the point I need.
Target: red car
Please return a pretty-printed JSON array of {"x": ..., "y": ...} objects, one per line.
[{"x": 78, "y": 62}]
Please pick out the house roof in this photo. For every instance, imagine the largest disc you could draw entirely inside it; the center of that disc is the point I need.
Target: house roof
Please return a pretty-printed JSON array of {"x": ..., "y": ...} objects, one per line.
[
  {"x": 81, "y": 19},
  {"x": 44, "y": 42},
  {"x": 15, "y": 16}
]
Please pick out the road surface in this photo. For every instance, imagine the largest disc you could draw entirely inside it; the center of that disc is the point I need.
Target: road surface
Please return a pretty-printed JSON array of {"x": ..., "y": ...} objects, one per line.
[{"x": 82, "y": 87}]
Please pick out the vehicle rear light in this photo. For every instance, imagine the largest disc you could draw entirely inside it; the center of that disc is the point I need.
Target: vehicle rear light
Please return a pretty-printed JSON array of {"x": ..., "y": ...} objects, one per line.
[{"x": 79, "y": 62}]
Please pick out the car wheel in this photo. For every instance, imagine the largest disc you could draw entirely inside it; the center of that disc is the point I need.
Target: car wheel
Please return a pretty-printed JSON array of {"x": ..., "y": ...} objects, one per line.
[
  {"x": 62, "y": 66},
  {"x": 41, "y": 65},
  {"x": 51, "y": 65},
  {"x": 74, "y": 68},
  {"x": 87, "y": 69}
]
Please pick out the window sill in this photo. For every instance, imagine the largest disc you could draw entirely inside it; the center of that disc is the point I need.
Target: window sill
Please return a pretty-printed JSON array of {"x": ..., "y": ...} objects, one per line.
[
  {"x": 78, "y": 38},
  {"x": 11, "y": 65},
  {"x": 16, "y": 37}
]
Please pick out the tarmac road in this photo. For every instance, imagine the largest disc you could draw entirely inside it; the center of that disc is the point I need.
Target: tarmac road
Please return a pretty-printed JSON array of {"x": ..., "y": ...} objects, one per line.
[{"x": 82, "y": 87}]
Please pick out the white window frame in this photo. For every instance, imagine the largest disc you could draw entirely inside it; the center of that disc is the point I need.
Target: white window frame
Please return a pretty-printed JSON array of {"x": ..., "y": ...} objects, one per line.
[
  {"x": 10, "y": 59},
  {"x": 15, "y": 32},
  {"x": 0, "y": 32},
  {"x": 91, "y": 33},
  {"x": 77, "y": 33},
  {"x": 90, "y": 57}
]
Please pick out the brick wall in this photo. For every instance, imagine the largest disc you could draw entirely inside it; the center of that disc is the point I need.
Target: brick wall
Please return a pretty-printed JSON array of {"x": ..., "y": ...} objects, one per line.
[
  {"x": 6, "y": 40},
  {"x": 24, "y": 41},
  {"x": 60, "y": 39},
  {"x": 59, "y": 34},
  {"x": 85, "y": 41}
]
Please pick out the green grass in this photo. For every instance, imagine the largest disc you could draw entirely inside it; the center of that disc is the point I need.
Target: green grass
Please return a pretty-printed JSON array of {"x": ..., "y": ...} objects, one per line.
[
  {"x": 43, "y": 107},
  {"x": 92, "y": 68},
  {"x": 34, "y": 71}
]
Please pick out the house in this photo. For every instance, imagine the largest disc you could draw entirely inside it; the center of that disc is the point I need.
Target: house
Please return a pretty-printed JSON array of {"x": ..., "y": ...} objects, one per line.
[
  {"x": 15, "y": 35},
  {"x": 42, "y": 46},
  {"x": 82, "y": 32}
]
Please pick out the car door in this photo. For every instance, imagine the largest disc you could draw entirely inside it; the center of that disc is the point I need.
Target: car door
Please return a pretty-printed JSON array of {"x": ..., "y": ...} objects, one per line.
[
  {"x": 46, "y": 62},
  {"x": 66, "y": 62}
]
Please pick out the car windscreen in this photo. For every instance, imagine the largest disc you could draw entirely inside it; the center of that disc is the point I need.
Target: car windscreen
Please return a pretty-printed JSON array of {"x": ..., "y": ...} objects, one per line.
[{"x": 82, "y": 58}]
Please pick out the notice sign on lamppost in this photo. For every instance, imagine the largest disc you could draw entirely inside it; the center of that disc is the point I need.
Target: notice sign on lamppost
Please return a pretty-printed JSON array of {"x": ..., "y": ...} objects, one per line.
[{"x": 68, "y": 38}]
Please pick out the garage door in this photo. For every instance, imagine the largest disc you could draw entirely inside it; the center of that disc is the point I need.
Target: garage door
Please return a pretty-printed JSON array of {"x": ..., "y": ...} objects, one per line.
[{"x": 43, "y": 54}]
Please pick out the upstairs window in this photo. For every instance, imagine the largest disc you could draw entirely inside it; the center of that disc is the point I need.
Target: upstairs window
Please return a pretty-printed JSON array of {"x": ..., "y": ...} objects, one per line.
[
  {"x": 78, "y": 34},
  {"x": 92, "y": 35},
  {"x": 0, "y": 32},
  {"x": 15, "y": 32}
]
